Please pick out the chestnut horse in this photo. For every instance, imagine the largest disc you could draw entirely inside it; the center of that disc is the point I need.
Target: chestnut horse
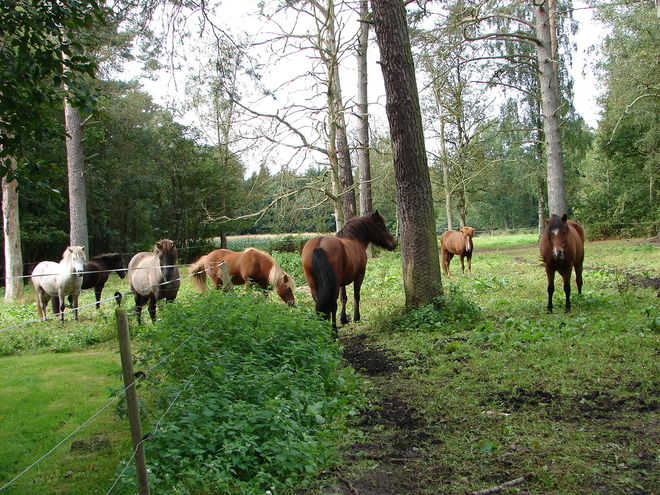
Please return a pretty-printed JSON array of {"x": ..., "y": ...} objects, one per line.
[
  {"x": 457, "y": 242},
  {"x": 247, "y": 267},
  {"x": 154, "y": 276},
  {"x": 562, "y": 248},
  {"x": 330, "y": 263}
]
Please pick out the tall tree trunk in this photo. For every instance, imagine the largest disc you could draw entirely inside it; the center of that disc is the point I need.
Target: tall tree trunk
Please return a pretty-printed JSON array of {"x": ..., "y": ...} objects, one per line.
[
  {"x": 12, "y": 235},
  {"x": 75, "y": 159},
  {"x": 548, "y": 81},
  {"x": 364, "y": 164},
  {"x": 345, "y": 168},
  {"x": 422, "y": 281}
]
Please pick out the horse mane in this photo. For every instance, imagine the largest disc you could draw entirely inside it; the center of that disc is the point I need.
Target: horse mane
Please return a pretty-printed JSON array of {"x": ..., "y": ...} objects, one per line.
[
  {"x": 358, "y": 228},
  {"x": 556, "y": 222},
  {"x": 276, "y": 277},
  {"x": 276, "y": 274}
]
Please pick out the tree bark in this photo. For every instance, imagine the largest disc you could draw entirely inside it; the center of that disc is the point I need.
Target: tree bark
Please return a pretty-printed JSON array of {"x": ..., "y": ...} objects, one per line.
[
  {"x": 75, "y": 159},
  {"x": 422, "y": 281},
  {"x": 12, "y": 235},
  {"x": 548, "y": 81},
  {"x": 364, "y": 164}
]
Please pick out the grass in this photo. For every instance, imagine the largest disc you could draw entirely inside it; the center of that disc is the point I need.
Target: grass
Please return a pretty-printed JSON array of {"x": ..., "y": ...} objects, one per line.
[{"x": 580, "y": 389}]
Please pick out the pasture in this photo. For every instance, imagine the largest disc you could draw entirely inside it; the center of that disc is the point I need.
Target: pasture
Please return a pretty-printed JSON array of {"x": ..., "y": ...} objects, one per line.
[{"x": 480, "y": 390}]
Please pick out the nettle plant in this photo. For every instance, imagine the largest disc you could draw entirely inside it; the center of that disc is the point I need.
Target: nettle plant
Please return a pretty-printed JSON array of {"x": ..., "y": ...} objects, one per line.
[{"x": 249, "y": 396}]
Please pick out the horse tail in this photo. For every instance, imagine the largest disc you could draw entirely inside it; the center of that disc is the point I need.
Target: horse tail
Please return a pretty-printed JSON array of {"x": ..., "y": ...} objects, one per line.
[
  {"x": 325, "y": 280},
  {"x": 198, "y": 274},
  {"x": 40, "y": 311}
]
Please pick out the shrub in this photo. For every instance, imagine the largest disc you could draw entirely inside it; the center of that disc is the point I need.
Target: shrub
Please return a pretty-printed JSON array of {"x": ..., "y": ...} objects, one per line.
[{"x": 249, "y": 396}]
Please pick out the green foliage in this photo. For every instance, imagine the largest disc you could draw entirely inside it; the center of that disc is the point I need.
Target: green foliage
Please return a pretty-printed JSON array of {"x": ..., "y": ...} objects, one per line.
[
  {"x": 453, "y": 309},
  {"x": 37, "y": 57},
  {"x": 248, "y": 398}
]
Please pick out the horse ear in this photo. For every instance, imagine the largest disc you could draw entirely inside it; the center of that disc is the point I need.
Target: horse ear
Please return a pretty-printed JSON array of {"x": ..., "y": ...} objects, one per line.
[
  {"x": 83, "y": 247},
  {"x": 547, "y": 221},
  {"x": 564, "y": 218},
  {"x": 159, "y": 246}
]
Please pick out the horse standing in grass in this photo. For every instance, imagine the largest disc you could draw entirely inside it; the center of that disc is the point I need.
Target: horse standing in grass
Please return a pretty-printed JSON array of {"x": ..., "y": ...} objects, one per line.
[
  {"x": 457, "y": 242},
  {"x": 247, "y": 267},
  {"x": 59, "y": 280},
  {"x": 562, "y": 248},
  {"x": 330, "y": 263},
  {"x": 154, "y": 276},
  {"x": 97, "y": 271}
]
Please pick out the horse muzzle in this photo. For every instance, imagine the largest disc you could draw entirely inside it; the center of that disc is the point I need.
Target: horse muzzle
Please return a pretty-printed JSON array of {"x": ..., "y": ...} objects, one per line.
[{"x": 558, "y": 254}]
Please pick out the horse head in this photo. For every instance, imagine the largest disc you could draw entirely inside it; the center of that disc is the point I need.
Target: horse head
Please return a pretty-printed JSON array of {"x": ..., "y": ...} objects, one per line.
[
  {"x": 557, "y": 230},
  {"x": 166, "y": 251},
  {"x": 285, "y": 289},
  {"x": 382, "y": 236},
  {"x": 468, "y": 234},
  {"x": 75, "y": 257}
]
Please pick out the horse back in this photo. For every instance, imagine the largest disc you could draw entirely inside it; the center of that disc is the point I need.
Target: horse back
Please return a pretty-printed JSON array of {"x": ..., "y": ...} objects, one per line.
[
  {"x": 347, "y": 257},
  {"x": 138, "y": 275},
  {"x": 254, "y": 265}
]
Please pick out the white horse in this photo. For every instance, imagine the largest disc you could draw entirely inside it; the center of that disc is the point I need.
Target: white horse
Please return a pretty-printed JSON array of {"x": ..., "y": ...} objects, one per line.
[{"x": 59, "y": 279}]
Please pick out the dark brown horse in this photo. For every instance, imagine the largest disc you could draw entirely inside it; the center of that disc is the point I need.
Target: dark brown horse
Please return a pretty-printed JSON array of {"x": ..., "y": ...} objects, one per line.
[
  {"x": 457, "y": 242},
  {"x": 154, "y": 276},
  {"x": 562, "y": 248},
  {"x": 97, "y": 271},
  {"x": 247, "y": 267},
  {"x": 330, "y": 263}
]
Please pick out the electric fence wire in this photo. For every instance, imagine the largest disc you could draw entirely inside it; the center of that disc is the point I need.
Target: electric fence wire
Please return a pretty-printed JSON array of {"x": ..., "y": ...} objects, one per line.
[{"x": 113, "y": 400}]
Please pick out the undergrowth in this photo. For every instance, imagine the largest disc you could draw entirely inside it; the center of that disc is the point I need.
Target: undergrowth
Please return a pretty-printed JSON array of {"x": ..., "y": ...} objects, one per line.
[{"x": 249, "y": 397}]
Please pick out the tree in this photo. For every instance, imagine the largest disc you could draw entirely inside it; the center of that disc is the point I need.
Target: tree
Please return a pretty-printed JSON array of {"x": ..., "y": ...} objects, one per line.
[{"x": 419, "y": 244}]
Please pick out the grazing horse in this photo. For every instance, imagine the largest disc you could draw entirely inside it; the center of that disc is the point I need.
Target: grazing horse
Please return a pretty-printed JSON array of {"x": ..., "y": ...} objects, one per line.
[
  {"x": 97, "y": 271},
  {"x": 562, "y": 248},
  {"x": 457, "y": 242},
  {"x": 330, "y": 263},
  {"x": 59, "y": 280},
  {"x": 247, "y": 267},
  {"x": 154, "y": 276}
]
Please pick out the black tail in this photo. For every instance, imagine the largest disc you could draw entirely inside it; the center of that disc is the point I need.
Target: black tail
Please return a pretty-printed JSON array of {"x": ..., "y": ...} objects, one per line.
[{"x": 326, "y": 283}]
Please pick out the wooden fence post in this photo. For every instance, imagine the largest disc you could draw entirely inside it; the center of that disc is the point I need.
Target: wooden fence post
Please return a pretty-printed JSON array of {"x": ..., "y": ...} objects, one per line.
[{"x": 131, "y": 399}]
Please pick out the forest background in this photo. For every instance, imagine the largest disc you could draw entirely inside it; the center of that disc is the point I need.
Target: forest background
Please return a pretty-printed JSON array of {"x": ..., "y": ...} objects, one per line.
[{"x": 254, "y": 161}]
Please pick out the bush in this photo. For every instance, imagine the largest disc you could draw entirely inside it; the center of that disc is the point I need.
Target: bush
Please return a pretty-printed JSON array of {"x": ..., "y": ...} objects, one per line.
[{"x": 248, "y": 398}]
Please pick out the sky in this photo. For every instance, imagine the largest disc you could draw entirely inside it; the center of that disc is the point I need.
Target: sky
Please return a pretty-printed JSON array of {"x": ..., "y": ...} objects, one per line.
[{"x": 169, "y": 88}]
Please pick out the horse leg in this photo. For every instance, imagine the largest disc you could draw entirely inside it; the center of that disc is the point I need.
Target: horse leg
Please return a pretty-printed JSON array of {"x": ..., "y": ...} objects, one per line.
[
  {"x": 139, "y": 302},
  {"x": 445, "y": 262},
  {"x": 62, "y": 300},
  {"x": 578, "y": 278},
  {"x": 469, "y": 263},
  {"x": 55, "y": 304},
  {"x": 152, "y": 308},
  {"x": 357, "y": 285},
  {"x": 551, "y": 286},
  {"x": 74, "y": 304},
  {"x": 97, "y": 293},
  {"x": 566, "y": 275},
  {"x": 462, "y": 256},
  {"x": 343, "y": 319}
]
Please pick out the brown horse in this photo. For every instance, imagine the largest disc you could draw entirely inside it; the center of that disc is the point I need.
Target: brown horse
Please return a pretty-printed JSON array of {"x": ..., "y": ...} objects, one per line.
[
  {"x": 457, "y": 242},
  {"x": 330, "y": 263},
  {"x": 562, "y": 248},
  {"x": 247, "y": 267}
]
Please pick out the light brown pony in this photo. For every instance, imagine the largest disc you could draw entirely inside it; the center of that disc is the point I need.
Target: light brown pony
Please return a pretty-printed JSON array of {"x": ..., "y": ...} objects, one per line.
[
  {"x": 154, "y": 276},
  {"x": 457, "y": 242},
  {"x": 247, "y": 267},
  {"x": 330, "y": 263},
  {"x": 562, "y": 248}
]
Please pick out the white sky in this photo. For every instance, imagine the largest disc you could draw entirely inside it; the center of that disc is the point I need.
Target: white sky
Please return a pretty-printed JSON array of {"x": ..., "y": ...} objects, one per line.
[{"x": 238, "y": 14}]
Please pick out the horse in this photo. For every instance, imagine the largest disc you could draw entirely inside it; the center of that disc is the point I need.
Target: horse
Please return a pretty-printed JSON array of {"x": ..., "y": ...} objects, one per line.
[
  {"x": 330, "y": 263},
  {"x": 562, "y": 248},
  {"x": 154, "y": 276},
  {"x": 59, "y": 280},
  {"x": 246, "y": 267},
  {"x": 457, "y": 242},
  {"x": 97, "y": 271}
]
